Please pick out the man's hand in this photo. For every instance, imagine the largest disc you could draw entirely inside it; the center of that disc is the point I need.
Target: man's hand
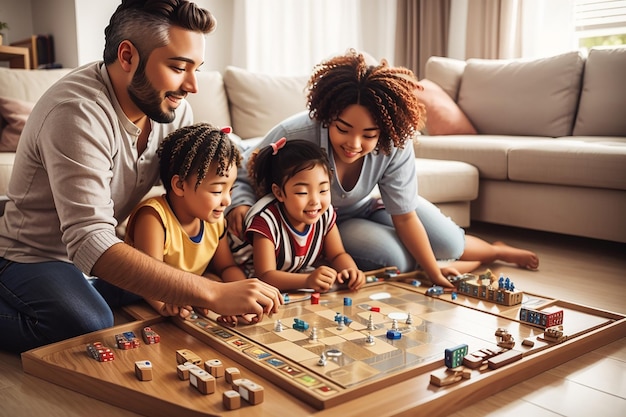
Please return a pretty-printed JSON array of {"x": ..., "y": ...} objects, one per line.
[{"x": 251, "y": 296}]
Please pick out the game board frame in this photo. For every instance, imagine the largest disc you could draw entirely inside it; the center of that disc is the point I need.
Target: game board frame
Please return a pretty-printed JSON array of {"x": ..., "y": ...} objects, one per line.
[{"x": 66, "y": 364}]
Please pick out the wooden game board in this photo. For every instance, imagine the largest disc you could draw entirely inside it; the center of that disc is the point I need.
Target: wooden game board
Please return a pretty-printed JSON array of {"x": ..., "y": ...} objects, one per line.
[{"x": 390, "y": 377}]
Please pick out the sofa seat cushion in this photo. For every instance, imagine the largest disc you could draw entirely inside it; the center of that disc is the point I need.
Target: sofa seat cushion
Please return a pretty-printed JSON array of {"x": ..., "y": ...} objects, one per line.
[
  {"x": 488, "y": 153},
  {"x": 6, "y": 167},
  {"x": 571, "y": 161},
  {"x": 260, "y": 101},
  {"x": 522, "y": 97},
  {"x": 446, "y": 181},
  {"x": 603, "y": 97}
]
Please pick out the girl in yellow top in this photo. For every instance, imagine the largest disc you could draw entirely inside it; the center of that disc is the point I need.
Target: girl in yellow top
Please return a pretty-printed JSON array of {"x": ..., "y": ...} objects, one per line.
[{"x": 185, "y": 227}]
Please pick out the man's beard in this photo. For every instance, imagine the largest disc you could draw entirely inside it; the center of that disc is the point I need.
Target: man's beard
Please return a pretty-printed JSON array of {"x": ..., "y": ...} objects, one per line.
[{"x": 147, "y": 98}]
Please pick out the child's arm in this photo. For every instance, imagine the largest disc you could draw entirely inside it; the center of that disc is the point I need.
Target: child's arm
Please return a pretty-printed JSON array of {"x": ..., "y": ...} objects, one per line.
[
  {"x": 264, "y": 258},
  {"x": 149, "y": 237},
  {"x": 223, "y": 264},
  {"x": 341, "y": 260},
  {"x": 413, "y": 235}
]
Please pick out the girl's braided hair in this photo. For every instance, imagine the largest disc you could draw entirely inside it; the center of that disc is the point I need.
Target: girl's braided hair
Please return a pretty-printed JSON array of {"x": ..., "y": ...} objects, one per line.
[
  {"x": 387, "y": 92},
  {"x": 193, "y": 149},
  {"x": 267, "y": 166}
]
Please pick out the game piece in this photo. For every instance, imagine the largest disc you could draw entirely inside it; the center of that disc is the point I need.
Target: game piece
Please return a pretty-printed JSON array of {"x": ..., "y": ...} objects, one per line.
[
  {"x": 409, "y": 319},
  {"x": 500, "y": 331},
  {"x": 322, "y": 361},
  {"x": 506, "y": 340},
  {"x": 286, "y": 298},
  {"x": 231, "y": 374},
  {"x": 369, "y": 340},
  {"x": 231, "y": 399},
  {"x": 394, "y": 324},
  {"x": 237, "y": 382},
  {"x": 185, "y": 355},
  {"x": 123, "y": 342},
  {"x": 370, "y": 323},
  {"x": 214, "y": 367},
  {"x": 484, "y": 286},
  {"x": 278, "y": 327},
  {"x": 334, "y": 353},
  {"x": 435, "y": 290},
  {"x": 313, "y": 336},
  {"x": 453, "y": 357},
  {"x": 505, "y": 358},
  {"x": 528, "y": 342},
  {"x": 182, "y": 370},
  {"x": 150, "y": 336},
  {"x": 201, "y": 380},
  {"x": 346, "y": 320},
  {"x": 300, "y": 325},
  {"x": 100, "y": 353},
  {"x": 340, "y": 325},
  {"x": 453, "y": 295},
  {"x": 476, "y": 359},
  {"x": 347, "y": 301},
  {"x": 375, "y": 309},
  {"x": 315, "y": 298},
  {"x": 543, "y": 319},
  {"x": 449, "y": 376},
  {"x": 251, "y": 392},
  {"x": 393, "y": 334},
  {"x": 553, "y": 334},
  {"x": 143, "y": 370}
]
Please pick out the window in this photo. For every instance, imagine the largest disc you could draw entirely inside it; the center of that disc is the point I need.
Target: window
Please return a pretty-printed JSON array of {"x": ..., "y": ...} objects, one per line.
[{"x": 600, "y": 23}]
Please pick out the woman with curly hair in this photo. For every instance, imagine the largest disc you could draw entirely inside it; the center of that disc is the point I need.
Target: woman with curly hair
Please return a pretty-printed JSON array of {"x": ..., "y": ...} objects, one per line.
[{"x": 366, "y": 117}]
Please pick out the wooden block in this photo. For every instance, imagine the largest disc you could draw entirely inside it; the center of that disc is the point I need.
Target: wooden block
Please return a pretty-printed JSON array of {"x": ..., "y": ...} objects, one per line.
[
  {"x": 231, "y": 374},
  {"x": 143, "y": 370},
  {"x": 528, "y": 342},
  {"x": 238, "y": 382},
  {"x": 251, "y": 392},
  {"x": 182, "y": 370},
  {"x": 214, "y": 367},
  {"x": 445, "y": 377},
  {"x": 231, "y": 399},
  {"x": 185, "y": 355},
  {"x": 202, "y": 380},
  {"x": 505, "y": 358}
]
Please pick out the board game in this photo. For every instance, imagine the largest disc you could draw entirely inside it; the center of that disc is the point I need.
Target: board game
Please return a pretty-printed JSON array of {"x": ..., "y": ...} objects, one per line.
[{"x": 384, "y": 343}]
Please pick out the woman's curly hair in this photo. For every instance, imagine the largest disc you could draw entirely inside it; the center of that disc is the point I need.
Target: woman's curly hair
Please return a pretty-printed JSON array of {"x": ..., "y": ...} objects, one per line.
[
  {"x": 192, "y": 149},
  {"x": 387, "y": 92}
]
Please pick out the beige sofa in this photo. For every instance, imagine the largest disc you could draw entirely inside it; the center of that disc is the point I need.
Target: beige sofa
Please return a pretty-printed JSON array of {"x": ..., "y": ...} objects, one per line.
[
  {"x": 252, "y": 104},
  {"x": 548, "y": 137}
]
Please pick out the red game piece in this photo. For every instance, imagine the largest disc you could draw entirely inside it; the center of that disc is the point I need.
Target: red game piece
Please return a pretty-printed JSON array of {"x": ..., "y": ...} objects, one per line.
[{"x": 315, "y": 298}]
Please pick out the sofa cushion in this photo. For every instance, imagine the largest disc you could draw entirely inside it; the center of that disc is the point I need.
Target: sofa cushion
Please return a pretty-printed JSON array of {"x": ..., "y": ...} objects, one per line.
[
  {"x": 522, "y": 97},
  {"x": 571, "y": 161},
  {"x": 14, "y": 114},
  {"x": 603, "y": 98},
  {"x": 210, "y": 104},
  {"x": 446, "y": 181},
  {"x": 259, "y": 101},
  {"x": 443, "y": 115},
  {"x": 446, "y": 72},
  {"x": 28, "y": 85}
]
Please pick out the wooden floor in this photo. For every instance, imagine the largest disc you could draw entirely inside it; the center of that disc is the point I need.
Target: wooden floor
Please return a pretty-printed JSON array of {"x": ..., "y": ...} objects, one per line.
[{"x": 584, "y": 271}]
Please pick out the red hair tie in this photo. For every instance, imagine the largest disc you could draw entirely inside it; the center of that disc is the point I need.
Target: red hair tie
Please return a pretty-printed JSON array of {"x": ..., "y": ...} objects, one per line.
[
  {"x": 226, "y": 129},
  {"x": 278, "y": 145}
]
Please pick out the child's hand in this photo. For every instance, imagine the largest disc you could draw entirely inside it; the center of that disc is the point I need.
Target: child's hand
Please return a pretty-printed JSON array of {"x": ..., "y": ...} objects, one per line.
[
  {"x": 441, "y": 278},
  {"x": 234, "y": 320},
  {"x": 322, "y": 279},
  {"x": 354, "y": 277},
  {"x": 172, "y": 310}
]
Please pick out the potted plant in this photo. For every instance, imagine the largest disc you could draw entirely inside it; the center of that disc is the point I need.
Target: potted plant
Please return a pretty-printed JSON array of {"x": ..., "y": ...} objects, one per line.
[{"x": 3, "y": 25}]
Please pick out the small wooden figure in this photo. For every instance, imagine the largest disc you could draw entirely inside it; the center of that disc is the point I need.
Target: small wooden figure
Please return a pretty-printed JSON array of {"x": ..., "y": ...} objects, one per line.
[
  {"x": 143, "y": 370},
  {"x": 214, "y": 367},
  {"x": 202, "y": 380},
  {"x": 182, "y": 370},
  {"x": 251, "y": 392},
  {"x": 231, "y": 399},
  {"x": 185, "y": 355},
  {"x": 231, "y": 374}
]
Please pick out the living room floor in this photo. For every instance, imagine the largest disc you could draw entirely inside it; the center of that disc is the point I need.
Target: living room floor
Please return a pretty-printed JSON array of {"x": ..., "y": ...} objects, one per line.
[{"x": 584, "y": 271}]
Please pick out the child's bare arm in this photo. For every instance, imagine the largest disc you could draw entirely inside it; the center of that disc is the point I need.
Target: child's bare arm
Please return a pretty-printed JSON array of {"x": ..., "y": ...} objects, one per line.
[{"x": 223, "y": 264}]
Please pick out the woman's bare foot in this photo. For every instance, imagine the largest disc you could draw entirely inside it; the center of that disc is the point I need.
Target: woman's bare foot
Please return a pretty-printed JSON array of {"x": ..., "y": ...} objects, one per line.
[{"x": 522, "y": 257}]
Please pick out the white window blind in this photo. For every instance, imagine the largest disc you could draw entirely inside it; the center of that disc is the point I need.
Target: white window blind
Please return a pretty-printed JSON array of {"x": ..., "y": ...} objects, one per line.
[{"x": 600, "y": 18}]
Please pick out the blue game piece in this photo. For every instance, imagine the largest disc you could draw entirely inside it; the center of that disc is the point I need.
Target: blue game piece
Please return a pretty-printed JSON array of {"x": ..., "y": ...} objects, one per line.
[
  {"x": 347, "y": 301},
  {"x": 393, "y": 334},
  {"x": 286, "y": 297},
  {"x": 453, "y": 295},
  {"x": 435, "y": 290},
  {"x": 346, "y": 321},
  {"x": 453, "y": 357},
  {"x": 338, "y": 317}
]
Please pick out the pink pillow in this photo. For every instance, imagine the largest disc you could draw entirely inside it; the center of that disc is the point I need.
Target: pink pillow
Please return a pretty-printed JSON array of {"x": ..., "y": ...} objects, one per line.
[
  {"x": 443, "y": 115},
  {"x": 14, "y": 114}
]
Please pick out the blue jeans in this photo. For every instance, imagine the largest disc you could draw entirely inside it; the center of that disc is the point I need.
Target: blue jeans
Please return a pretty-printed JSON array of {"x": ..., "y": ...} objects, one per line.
[
  {"x": 373, "y": 242},
  {"x": 42, "y": 303}
]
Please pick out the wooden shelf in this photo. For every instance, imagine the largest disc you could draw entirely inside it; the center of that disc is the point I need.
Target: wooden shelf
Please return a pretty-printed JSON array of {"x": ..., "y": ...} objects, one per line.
[{"x": 18, "y": 57}]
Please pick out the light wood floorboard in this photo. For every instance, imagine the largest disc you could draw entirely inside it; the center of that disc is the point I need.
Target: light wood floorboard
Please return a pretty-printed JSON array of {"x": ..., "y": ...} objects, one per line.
[{"x": 583, "y": 271}]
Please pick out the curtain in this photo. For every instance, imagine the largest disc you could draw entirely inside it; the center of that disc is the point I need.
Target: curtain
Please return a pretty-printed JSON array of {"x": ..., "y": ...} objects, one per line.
[
  {"x": 422, "y": 31},
  {"x": 504, "y": 29},
  {"x": 288, "y": 37}
]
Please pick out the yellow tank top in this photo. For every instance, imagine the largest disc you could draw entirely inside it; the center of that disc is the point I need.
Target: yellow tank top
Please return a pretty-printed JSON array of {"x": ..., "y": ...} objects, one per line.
[{"x": 178, "y": 249}]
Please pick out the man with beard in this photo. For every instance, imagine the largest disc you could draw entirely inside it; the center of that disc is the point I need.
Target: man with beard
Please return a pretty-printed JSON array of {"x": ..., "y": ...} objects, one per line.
[{"x": 86, "y": 157}]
